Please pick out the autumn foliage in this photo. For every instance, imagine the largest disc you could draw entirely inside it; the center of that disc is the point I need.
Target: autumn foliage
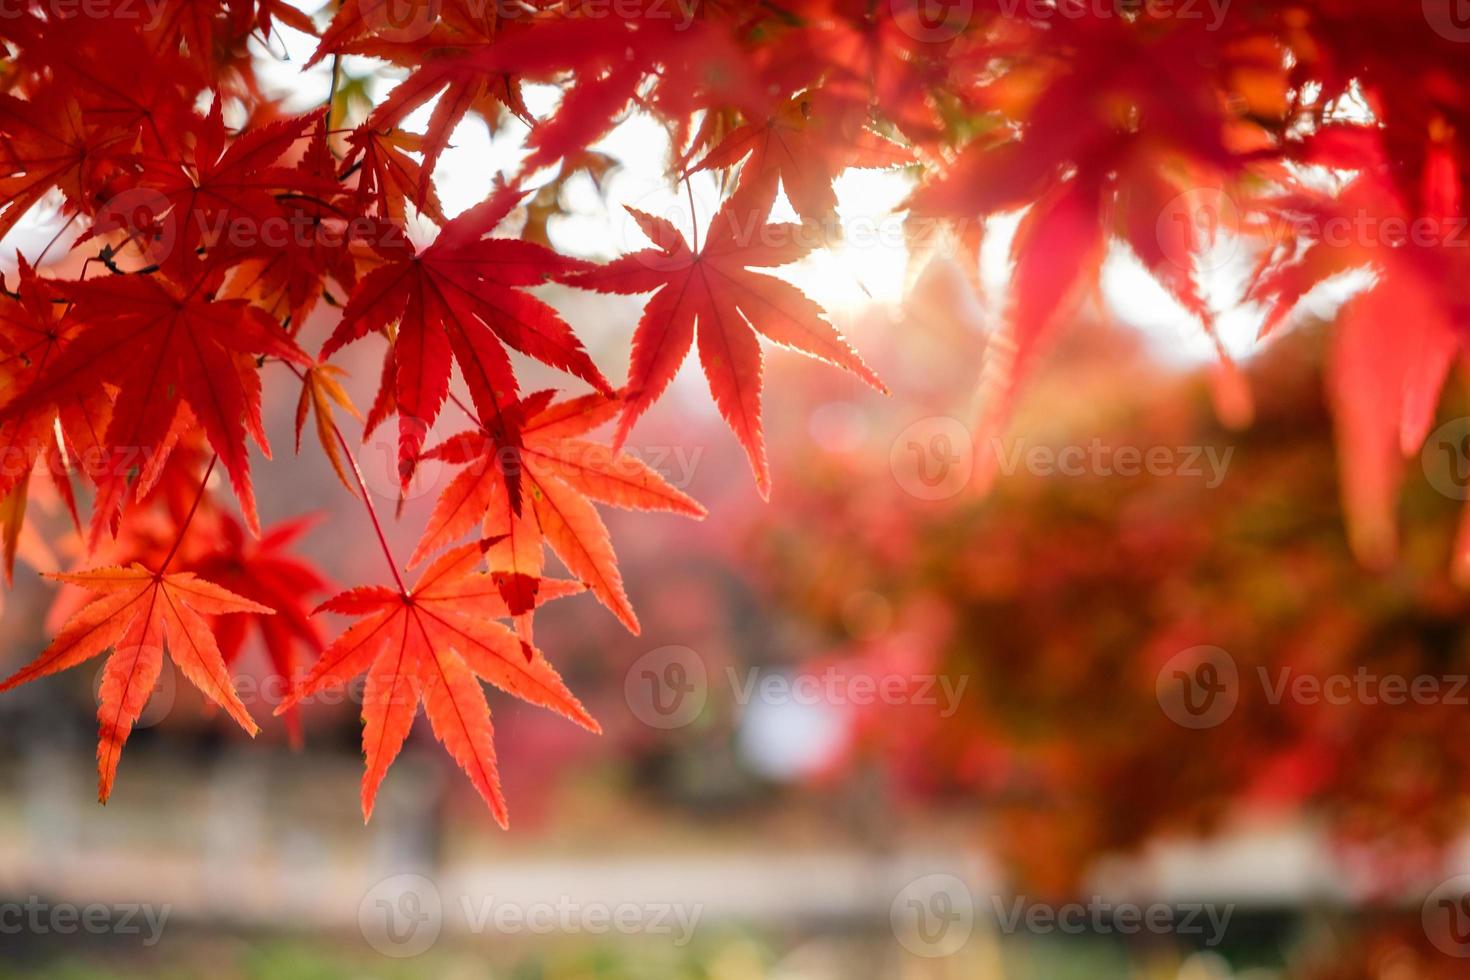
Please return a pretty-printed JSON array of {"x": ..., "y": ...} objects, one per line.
[
  {"x": 210, "y": 224},
  {"x": 1062, "y": 600}
]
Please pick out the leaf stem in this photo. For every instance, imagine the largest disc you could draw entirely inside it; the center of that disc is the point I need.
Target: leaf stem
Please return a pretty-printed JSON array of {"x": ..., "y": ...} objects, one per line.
[
  {"x": 332, "y": 92},
  {"x": 54, "y": 239},
  {"x": 693, "y": 216},
  {"x": 367, "y": 498},
  {"x": 468, "y": 414},
  {"x": 189, "y": 518},
  {"x": 372, "y": 511}
]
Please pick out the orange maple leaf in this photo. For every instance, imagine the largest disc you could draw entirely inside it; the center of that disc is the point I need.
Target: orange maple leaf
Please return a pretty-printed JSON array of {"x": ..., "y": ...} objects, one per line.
[
  {"x": 542, "y": 456},
  {"x": 138, "y": 613},
  {"x": 430, "y": 644}
]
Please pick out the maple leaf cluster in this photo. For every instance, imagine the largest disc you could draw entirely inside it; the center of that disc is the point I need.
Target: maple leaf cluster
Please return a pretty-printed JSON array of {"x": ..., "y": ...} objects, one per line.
[{"x": 214, "y": 230}]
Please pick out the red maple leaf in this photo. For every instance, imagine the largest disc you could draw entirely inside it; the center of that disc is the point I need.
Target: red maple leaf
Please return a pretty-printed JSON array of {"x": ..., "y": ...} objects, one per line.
[
  {"x": 445, "y": 59},
  {"x": 613, "y": 57},
  {"x": 394, "y": 21},
  {"x": 805, "y": 145},
  {"x": 388, "y": 177},
  {"x": 97, "y": 62},
  {"x": 33, "y": 331},
  {"x": 1395, "y": 342},
  {"x": 460, "y": 300},
  {"x": 714, "y": 291},
  {"x": 222, "y": 197},
  {"x": 44, "y": 145},
  {"x": 167, "y": 350},
  {"x": 265, "y": 572},
  {"x": 1059, "y": 249}
]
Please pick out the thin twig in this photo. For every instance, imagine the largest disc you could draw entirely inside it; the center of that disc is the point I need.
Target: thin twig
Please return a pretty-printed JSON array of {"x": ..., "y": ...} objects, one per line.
[{"x": 189, "y": 519}]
